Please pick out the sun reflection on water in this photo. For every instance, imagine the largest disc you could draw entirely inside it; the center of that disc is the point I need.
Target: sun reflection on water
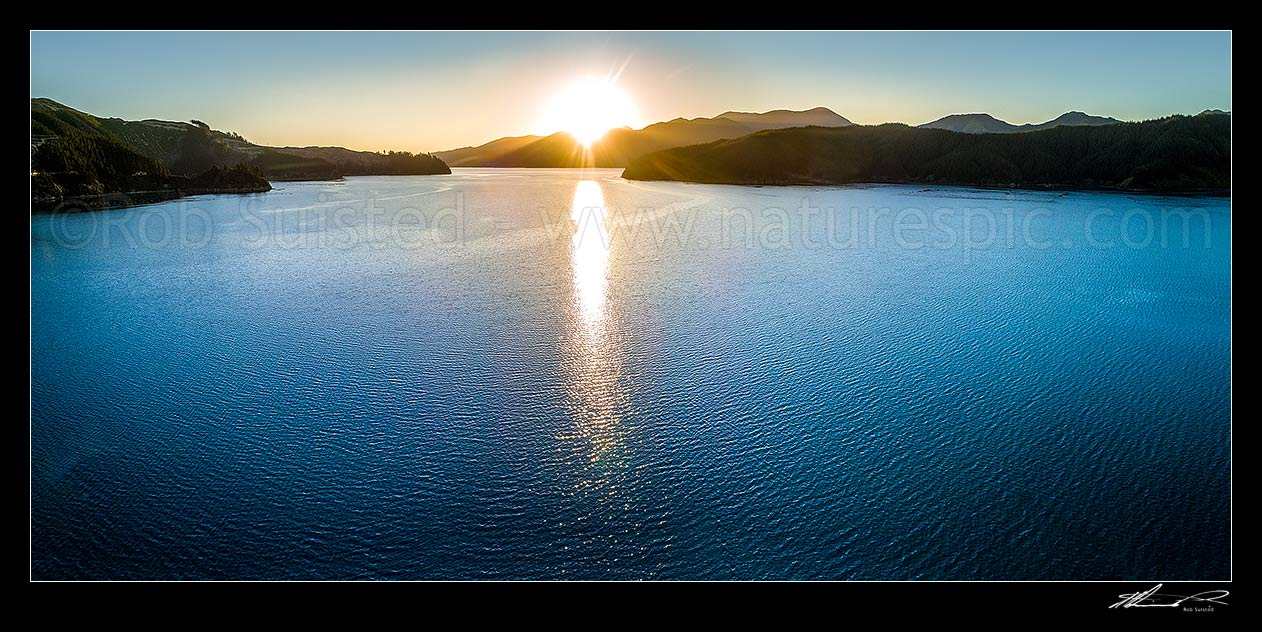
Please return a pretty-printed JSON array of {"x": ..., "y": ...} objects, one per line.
[
  {"x": 604, "y": 504},
  {"x": 596, "y": 393}
]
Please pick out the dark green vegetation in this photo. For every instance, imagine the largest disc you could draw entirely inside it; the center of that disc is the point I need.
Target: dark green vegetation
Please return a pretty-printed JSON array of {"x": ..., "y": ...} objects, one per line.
[
  {"x": 620, "y": 146},
  {"x": 239, "y": 178},
  {"x": 367, "y": 163},
  {"x": 987, "y": 124},
  {"x": 1174, "y": 154},
  {"x": 284, "y": 166},
  {"x": 112, "y": 162},
  {"x": 72, "y": 155},
  {"x": 76, "y": 156},
  {"x": 201, "y": 149}
]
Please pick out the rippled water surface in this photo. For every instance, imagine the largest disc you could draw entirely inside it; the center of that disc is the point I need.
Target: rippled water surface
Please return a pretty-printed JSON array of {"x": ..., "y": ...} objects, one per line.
[{"x": 561, "y": 374}]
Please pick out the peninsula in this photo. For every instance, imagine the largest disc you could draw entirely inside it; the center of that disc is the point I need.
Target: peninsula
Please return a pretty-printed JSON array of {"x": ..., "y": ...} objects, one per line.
[
  {"x": 80, "y": 161},
  {"x": 1172, "y": 154}
]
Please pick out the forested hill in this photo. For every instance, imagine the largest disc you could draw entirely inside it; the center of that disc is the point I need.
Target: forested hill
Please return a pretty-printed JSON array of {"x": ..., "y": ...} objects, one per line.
[
  {"x": 193, "y": 147},
  {"x": 368, "y": 163},
  {"x": 1174, "y": 154},
  {"x": 75, "y": 157}
]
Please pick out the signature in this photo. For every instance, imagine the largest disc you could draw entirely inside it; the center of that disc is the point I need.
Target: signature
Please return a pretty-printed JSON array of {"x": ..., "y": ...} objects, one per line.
[{"x": 1152, "y": 599}]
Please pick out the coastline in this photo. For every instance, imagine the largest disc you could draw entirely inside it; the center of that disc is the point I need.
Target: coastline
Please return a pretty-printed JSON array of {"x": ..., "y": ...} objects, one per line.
[
  {"x": 330, "y": 179},
  {"x": 125, "y": 199}
]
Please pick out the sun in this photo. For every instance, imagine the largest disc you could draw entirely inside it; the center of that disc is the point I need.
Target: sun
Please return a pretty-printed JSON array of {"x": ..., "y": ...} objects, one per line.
[{"x": 588, "y": 108}]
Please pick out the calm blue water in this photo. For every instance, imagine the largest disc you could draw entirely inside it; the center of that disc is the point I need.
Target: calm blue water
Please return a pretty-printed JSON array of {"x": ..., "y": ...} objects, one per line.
[{"x": 559, "y": 374}]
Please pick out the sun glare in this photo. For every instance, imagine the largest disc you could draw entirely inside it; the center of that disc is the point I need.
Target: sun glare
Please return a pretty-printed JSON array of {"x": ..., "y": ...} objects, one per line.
[{"x": 588, "y": 108}]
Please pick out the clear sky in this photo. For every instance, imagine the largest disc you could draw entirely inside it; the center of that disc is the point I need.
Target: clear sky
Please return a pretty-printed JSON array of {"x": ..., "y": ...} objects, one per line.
[{"x": 433, "y": 91}]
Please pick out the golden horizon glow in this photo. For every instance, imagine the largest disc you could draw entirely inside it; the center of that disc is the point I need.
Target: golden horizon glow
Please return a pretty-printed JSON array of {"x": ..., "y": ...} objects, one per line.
[{"x": 588, "y": 108}]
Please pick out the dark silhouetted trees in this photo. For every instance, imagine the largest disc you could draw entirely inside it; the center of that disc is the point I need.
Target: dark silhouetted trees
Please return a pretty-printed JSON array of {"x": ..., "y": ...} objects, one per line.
[{"x": 1178, "y": 153}]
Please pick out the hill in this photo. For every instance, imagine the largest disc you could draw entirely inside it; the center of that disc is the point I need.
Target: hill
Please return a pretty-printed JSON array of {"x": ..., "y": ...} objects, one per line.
[
  {"x": 160, "y": 140},
  {"x": 481, "y": 154},
  {"x": 368, "y": 163},
  {"x": 982, "y": 123},
  {"x": 1074, "y": 118},
  {"x": 75, "y": 156},
  {"x": 193, "y": 147},
  {"x": 778, "y": 119},
  {"x": 1178, "y": 153}
]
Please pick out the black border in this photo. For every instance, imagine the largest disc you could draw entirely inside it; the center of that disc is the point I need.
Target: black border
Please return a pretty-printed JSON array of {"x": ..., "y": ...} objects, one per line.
[
  {"x": 626, "y": 16},
  {"x": 830, "y": 603},
  {"x": 600, "y": 603}
]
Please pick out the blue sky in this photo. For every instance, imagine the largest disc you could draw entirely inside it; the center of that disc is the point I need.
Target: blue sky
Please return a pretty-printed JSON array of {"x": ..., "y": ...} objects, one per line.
[{"x": 431, "y": 91}]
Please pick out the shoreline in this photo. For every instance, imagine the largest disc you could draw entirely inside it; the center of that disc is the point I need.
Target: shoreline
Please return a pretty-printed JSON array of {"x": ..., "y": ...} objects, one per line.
[
  {"x": 128, "y": 199},
  {"x": 1064, "y": 188},
  {"x": 1067, "y": 188}
]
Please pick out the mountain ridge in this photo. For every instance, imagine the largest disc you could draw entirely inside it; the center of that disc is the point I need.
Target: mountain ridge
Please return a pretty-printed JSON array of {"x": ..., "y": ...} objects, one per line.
[
  {"x": 621, "y": 145},
  {"x": 984, "y": 123}
]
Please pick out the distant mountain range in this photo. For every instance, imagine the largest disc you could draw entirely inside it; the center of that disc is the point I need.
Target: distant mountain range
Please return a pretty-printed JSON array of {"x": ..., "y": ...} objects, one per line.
[
  {"x": 619, "y": 146},
  {"x": 987, "y": 124},
  {"x": 778, "y": 119},
  {"x": 1174, "y": 154}
]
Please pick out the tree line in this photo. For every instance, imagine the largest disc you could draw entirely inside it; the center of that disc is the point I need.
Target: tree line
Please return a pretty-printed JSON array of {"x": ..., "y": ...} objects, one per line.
[{"x": 1178, "y": 153}]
